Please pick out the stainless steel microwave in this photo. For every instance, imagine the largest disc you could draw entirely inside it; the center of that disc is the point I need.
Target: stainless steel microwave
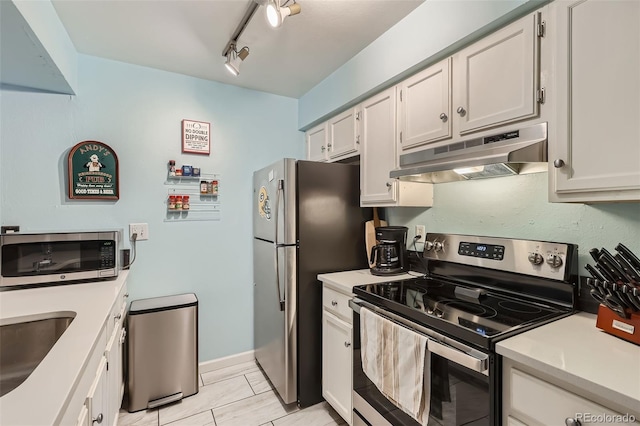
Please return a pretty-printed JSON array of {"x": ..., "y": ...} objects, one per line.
[{"x": 27, "y": 259}]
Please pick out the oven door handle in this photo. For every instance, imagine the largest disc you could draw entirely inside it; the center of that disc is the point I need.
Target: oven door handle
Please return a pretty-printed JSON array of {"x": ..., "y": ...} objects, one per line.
[{"x": 437, "y": 343}]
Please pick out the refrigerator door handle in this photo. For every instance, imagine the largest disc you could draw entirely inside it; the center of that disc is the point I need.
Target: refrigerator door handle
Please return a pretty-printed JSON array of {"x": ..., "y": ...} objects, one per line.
[{"x": 276, "y": 245}]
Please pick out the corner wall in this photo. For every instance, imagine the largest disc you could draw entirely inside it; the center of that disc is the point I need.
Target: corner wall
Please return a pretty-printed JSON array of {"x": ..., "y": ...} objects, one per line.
[{"x": 138, "y": 112}]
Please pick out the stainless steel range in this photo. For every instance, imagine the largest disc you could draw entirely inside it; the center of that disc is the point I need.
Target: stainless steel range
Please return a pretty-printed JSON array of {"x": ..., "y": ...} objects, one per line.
[{"x": 476, "y": 292}]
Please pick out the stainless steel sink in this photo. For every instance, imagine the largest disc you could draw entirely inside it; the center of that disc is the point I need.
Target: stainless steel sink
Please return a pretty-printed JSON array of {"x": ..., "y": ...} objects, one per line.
[{"x": 25, "y": 341}]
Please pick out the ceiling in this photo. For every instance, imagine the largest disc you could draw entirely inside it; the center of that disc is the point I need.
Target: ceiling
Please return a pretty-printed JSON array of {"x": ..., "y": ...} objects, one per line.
[{"x": 188, "y": 37}]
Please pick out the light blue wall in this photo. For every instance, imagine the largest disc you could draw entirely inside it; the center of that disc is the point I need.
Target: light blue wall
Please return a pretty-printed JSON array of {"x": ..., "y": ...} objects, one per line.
[
  {"x": 431, "y": 32},
  {"x": 517, "y": 207},
  {"x": 138, "y": 111}
]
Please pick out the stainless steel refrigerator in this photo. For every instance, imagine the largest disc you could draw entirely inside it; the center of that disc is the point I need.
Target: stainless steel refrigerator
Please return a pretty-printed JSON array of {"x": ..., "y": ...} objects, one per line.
[{"x": 307, "y": 220}]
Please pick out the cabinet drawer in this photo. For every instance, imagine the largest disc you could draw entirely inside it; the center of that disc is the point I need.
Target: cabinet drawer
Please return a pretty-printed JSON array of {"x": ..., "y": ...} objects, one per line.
[
  {"x": 337, "y": 303},
  {"x": 547, "y": 404}
]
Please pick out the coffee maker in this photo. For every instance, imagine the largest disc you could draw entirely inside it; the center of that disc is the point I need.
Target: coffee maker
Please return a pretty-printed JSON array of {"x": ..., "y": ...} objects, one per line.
[{"x": 389, "y": 255}]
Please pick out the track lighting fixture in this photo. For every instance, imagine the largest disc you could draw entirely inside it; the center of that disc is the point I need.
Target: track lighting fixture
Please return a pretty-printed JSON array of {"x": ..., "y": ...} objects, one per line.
[
  {"x": 235, "y": 58},
  {"x": 277, "y": 13}
]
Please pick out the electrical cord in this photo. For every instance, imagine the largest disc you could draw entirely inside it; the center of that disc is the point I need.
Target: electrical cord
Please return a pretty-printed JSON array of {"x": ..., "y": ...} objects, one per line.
[
  {"x": 134, "y": 237},
  {"x": 424, "y": 265}
]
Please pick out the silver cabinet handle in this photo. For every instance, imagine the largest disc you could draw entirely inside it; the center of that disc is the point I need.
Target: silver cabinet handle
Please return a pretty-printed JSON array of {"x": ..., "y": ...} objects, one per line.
[
  {"x": 570, "y": 421},
  {"x": 98, "y": 419},
  {"x": 347, "y": 344},
  {"x": 461, "y": 111},
  {"x": 117, "y": 316},
  {"x": 125, "y": 295},
  {"x": 389, "y": 184},
  {"x": 444, "y": 117},
  {"x": 334, "y": 303},
  {"x": 558, "y": 163},
  {"x": 328, "y": 145},
  {"x": 322, "y": 148}
]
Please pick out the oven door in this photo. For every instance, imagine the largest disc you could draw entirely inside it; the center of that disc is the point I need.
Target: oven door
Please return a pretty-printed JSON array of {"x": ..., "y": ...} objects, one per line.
[{"x": 461, "y": 386}]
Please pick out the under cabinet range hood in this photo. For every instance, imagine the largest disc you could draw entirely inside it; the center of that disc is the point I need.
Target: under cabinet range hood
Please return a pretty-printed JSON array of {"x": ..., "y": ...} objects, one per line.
[{"x": 519, "y": 151}]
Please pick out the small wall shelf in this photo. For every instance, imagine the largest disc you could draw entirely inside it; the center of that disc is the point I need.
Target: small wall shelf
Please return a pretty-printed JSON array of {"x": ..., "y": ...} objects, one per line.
[{"x": 202, "y": 206}]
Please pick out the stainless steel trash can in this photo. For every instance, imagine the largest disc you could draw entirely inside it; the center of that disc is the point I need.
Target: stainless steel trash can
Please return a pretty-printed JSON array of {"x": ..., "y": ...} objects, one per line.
[{"x": 162, "y": 351}]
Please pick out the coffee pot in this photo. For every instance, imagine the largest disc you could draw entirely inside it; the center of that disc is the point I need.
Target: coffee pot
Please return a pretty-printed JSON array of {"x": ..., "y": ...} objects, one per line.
[{"x": 389, "y": 255}]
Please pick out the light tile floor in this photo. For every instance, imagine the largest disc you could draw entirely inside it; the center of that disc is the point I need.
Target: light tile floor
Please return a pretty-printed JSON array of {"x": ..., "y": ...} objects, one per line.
[{"x": 239, "y": 395}]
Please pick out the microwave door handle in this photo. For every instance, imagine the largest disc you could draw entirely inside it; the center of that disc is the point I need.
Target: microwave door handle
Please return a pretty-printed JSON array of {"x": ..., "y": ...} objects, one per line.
[{"x": 276, "y": 245}]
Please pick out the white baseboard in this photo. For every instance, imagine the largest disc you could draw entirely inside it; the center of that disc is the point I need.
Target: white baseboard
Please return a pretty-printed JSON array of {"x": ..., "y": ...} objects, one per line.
[{"x": 227, "y": 361}]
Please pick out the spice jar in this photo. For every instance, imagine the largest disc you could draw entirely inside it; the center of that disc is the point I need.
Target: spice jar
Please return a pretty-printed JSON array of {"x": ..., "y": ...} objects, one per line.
[
  {"x": 214, "y": 187},
  {"x": 178, "y": 172},
  {"x": 172, "y": 202},
  {"x": 204, "y": 187},
  {"x": 172, "y": 168},
  {"x": 185, "y": 202},
  {"x": 178, "y": 202},
  {"x": 186, "y": 170}
]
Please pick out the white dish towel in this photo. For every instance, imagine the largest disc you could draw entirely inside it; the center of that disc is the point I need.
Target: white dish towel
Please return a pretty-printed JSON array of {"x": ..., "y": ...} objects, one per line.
[{"x": 395, "y": 359}]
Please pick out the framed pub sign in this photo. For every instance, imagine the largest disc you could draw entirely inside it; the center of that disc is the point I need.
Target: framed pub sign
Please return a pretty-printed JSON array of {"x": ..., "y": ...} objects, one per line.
[{"x": 93, "y": 172}]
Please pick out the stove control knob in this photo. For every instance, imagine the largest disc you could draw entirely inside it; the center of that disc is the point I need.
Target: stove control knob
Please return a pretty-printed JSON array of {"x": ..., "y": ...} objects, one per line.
[
  {"x": 430, "y": 311},
  {"x": 428, "y": 245},
  {"x": 438, "y": 246},
  {"x": 439, "y": 313},
  {"x": 535, "y": 258},
  {"x": 554, "y": 260}
]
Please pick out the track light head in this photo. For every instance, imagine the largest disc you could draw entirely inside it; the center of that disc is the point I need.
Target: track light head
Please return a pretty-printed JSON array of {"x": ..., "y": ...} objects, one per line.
[
  {"x": 276, "y": 13},
  {"x": 234, "y": 59}
]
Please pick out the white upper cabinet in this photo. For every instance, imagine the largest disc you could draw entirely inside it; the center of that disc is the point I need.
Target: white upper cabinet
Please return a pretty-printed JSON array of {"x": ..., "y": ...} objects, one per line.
[
  {"x": 424, "y": 107},
  {"x": 344, "y": 138},
  {"x": 595, "y": 154},
  {"x": 495, "y": 80},
  {"x": 317, "y": 139},
  {"x": 378, "y": 149},
  {"x": 378, "y": 158}
]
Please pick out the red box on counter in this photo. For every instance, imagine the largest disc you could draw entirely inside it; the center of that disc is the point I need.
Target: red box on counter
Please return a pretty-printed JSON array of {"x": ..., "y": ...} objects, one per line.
[{"x": 624, "y": 328}]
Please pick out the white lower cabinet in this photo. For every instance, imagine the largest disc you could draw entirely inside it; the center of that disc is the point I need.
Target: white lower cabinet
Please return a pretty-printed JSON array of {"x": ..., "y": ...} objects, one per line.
[
  {"x": 531, "y": 400},
  {"x": 337, "y": 352},
  {"x": 97, "y": 400},
  {"x": 103, "y": 399}
]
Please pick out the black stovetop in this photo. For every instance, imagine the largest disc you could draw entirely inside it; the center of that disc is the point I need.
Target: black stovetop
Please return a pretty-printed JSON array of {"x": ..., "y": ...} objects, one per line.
[{"x": 477, "y": 316}]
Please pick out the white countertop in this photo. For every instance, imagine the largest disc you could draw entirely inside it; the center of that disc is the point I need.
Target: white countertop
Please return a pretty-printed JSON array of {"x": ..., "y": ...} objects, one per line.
[
  {"x": 345, "y": 281},
  {"x": 41, "y": 399},
  {"x": 573, "y": 350}
]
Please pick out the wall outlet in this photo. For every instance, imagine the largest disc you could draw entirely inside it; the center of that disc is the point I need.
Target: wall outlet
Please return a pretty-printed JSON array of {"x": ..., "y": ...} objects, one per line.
[
  {"x": 420, "y": 230},
  {"x": 141, "y": 229}
]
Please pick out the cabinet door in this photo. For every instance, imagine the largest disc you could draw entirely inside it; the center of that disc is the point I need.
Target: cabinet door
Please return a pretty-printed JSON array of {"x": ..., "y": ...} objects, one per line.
[
  {"x": 542, "y": 403},
  {"x": 343, "y": 134},
  {"x": 97, "y": 404},
  {"x": 424, "y": 107},
  {"x": 514, "y": 422},
  {"x": 495, "y": 79},
  {"x": 337, "y": 368},
  {"x": 317, "y": 143},
  {"x": 83, "y": 418},
  {"x": 597, "y": 147},
  {"x": 115, "y": 378},
  {"x": 378, "y": 155}
]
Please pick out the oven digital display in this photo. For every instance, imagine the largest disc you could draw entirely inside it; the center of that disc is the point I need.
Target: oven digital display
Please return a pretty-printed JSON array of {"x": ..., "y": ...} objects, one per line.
[{"x": 486, "y": 251}]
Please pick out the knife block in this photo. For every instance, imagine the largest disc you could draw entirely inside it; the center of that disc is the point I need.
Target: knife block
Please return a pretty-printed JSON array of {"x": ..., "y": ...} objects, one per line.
[{"x": 624, "y": 328}]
